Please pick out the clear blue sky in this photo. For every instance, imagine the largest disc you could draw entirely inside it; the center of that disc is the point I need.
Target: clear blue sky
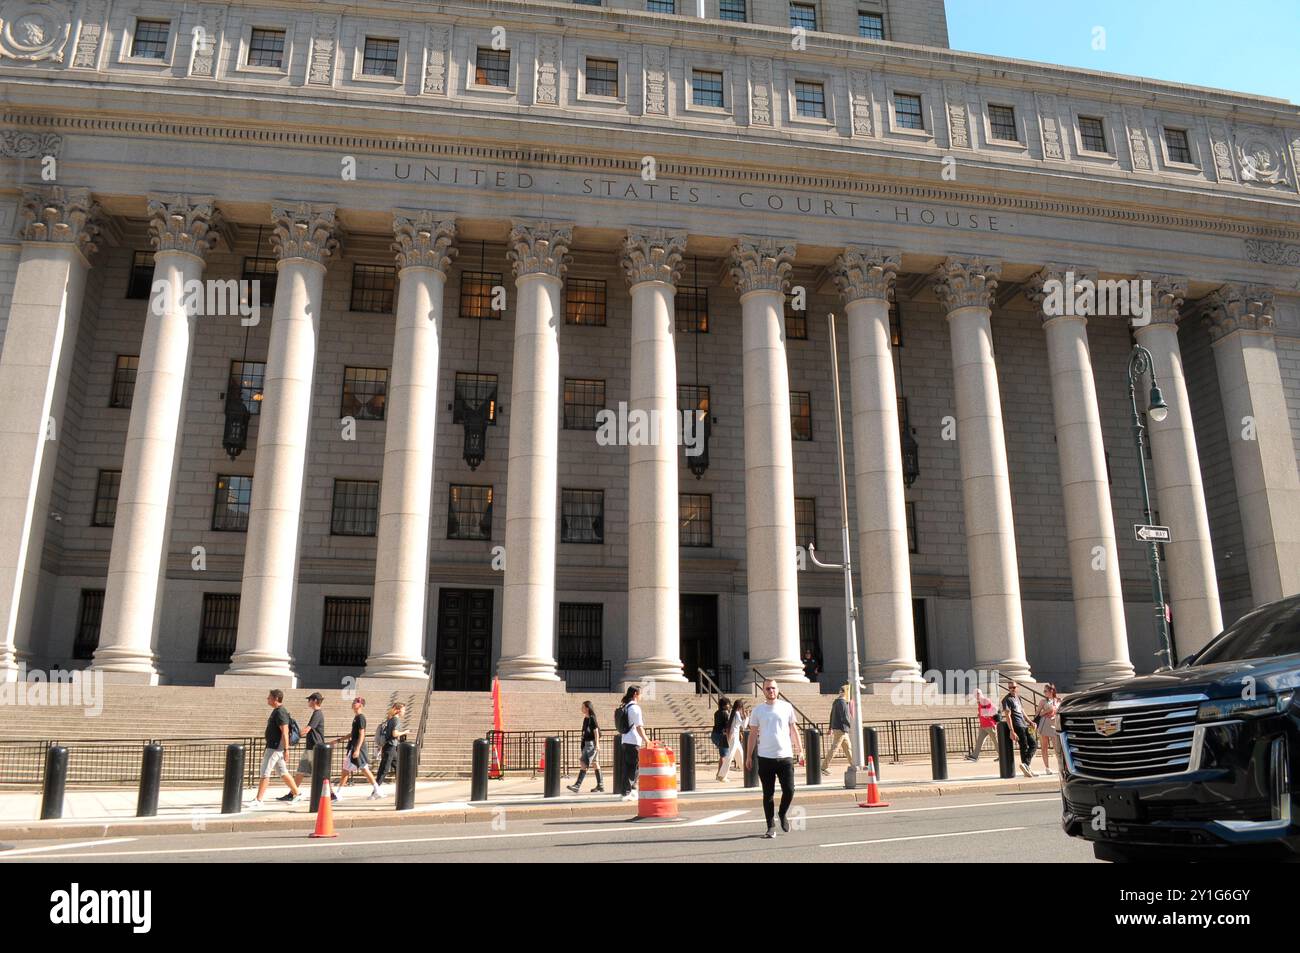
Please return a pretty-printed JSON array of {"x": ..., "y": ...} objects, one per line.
[{"x": 1250, "y": 46}]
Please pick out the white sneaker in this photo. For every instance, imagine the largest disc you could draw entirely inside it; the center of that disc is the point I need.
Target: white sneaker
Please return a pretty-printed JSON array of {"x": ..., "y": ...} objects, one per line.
[
  {"x": 299, "y": 798},
  {"x": 375, "y": 795},
  {"x": 256, "y": 805},
  {"x": 1026, "y": 771},
  {"x": 630, "y": 796}
]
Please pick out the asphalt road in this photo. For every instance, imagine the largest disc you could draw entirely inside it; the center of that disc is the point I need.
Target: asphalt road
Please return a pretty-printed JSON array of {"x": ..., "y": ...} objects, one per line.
[{"x": 986, "y": 828}]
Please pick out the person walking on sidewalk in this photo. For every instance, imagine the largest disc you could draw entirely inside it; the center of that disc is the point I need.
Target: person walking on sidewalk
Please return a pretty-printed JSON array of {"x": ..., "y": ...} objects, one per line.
[
  {"x": 1016, "y": 720},
  {"x": 277, "y": 748},
  {"x": 354, "y": 758},
  {"x": 387, "y": 735},
  {"x": 590, "y": 757},
  {"x": 841, "y": 725},
  {"x": 1046, "y": 722},
  {"x": 737, "y": 724},
  {"x": 775, "y": 736},
  {"x": 719, "y": 734},
  {"x": 631, "y": 725},
  {"x": 315, "y": 736},
  {"x": 987, "y": 713}
]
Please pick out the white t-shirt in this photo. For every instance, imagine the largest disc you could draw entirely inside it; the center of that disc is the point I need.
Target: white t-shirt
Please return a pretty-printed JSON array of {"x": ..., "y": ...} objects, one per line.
[
  {"x": 773, "y": 721},
  {"x": 633, "y": 719}
]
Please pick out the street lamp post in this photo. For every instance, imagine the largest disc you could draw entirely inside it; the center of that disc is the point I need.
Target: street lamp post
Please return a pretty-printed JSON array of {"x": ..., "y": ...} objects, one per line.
[{"x": 1140, "y": 363}]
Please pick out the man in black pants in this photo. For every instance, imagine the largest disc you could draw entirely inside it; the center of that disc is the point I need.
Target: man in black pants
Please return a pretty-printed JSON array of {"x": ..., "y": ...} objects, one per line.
[
  {"x": 1015, "y": 715},
  {"x": 633, "y": 740},
  {"x": 775, "y": 735}
]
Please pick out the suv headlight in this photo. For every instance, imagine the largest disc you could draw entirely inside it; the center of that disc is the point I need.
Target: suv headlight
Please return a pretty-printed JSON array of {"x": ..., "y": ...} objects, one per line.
[{"x": 1256, "y": 707}]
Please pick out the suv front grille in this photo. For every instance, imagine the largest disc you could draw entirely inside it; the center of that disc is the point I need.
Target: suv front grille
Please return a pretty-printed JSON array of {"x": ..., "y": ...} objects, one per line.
[{"x": 1151, "y": 740}]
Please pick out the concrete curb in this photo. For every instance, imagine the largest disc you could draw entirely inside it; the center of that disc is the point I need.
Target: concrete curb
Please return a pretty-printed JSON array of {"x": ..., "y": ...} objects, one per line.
[{"x": 485, "y": 812}]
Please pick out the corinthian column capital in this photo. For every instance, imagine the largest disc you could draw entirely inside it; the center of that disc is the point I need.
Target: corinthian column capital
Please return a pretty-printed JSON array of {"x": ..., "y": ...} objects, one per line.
[
  {"x": 423, "y": 239},
  {"x": 967, "y": 282},
  {"x": 539, "y": 248},
  {"x": 304, "y": 230},
  {"x": 1167, "y": 294},
  {"x": 1239, "y": 307},
  {"x": 1054, "y": 285},
  {"x": 653, "y": 254},
  {"x": 184, "y": 223},
  {"x": 762, "y": 264},
  {"x": 866, "y": 271},
  {"x": 60, "y": 215}
]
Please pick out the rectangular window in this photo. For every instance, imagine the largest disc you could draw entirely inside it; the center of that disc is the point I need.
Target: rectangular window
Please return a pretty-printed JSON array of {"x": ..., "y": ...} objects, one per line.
[
  {"x": 1093, "y": 133},
  {"x": 1176, "y": 143},
  {"x": 584, "y": 301},
  {"x": 345, "y": 631},
  {"x": 810, "y": 99},
  {"x": 796, "y": 322},
  {"x": 895, "y": 325},
  {"x": 661, "y": 6},
  {"x": 372, "y": 288},
  {"x": 693, "y": 397},
  {"x": 800, "y": 415},
  {"x": 247, "y": 379},
  {"x": 88, "y": 618},
  {"x": 469, "y": 512},
  {"x": 150, "y": 40},
  {"x": 106, "y": 497},
  {"x": 234, "y": 495},
  {"x": 803, "y": 15},
  {"x": 907, "y": 111},
  {"x": 810, "y": 633},
  {"x": 871, "y": 25},
  {"x": 218, "y": 627},
  {"x": 124, "y": 380},
  {"x": 805, "y": 520},
  {"x": 140, "y": 285},
  {"x": 264, "y": 272},
  {"x": 379, "y": 57},
  {"x": 266, "y": 48},
  {"x": 691, "y": 308},
  {"x": 492, "y": 67},
  {"x": 1002, "y": 123},
  {"x": 365, "y": 393},
  {"x": 580, "y": 644},
  {"x": 476, "y": 294},
  {"x": 602, "y": 77},
  {"x": 695, "y": 519},
  {"x": 474, "y": 387},
  {"x": 355, "y": 511},
  {"x": 911, "y": 528},
  {"x": 706, "y": 88},
  {"x": 587, "y": 3},
  {"x": 582, "y": 399},
  {"x": 732, "y": 10},
  {"x": 582, "y": 516}
]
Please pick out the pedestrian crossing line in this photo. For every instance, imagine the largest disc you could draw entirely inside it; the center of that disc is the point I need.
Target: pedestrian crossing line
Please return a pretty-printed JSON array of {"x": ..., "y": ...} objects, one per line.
[
  {"x": 84, "y": 843},
  {"x": 716, "y": 818},
  {"x": 891, "y": 840}
]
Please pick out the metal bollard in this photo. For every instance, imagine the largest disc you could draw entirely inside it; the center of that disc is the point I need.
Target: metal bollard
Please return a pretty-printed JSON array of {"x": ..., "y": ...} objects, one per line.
[
  {"x": 322, "y": 757},
  {"x": 686, "y": 758},
  {"x": 938, "y": 753},
  {"x": 871, "y": 749},
  {"x": 478, "y": 779},
  {"x": 620, "y": 775},
  {"x": 56, "y": 780},
  {"x": 406, "y": 770},
  {"x": 551, "y": 784},
  {"x": 751, "y": 771},
  {"x": 812, "y": 747},
  {"x": 1006, "y": 757},
  {"x": 232, "y": 790},
  {"x": 150, "y": 781}
]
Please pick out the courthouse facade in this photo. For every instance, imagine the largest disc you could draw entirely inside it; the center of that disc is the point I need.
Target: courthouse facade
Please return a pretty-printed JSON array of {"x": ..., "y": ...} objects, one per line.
[{"x": 478, "y": 231}]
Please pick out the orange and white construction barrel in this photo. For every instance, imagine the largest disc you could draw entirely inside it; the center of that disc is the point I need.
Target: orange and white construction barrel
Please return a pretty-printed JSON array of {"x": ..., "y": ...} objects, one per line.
[{"x": 656, "y": 782}]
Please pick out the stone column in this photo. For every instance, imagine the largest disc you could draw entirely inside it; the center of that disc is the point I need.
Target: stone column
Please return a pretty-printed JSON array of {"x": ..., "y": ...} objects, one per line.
[
  {"x": 539, "y": 252},
  {"x": 304, "y": 240},
  {"x": 58, "y": 234},
  {"x": 965, "y": 288},
  {"x": 865, "y": 276},
  {"x": 1259, "y": 435},
  {"x": 424, "y": 253},
  {"x": 761, "y": 268},
  {"x": 1189, "y": 557},
  {"x": 652, "y": 262},
  {"x": 1101, "y": 630},
  {"x": 184, "y": 229}
]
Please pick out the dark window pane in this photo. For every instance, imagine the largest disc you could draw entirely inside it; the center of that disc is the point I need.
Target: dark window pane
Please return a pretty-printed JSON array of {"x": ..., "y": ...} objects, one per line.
[
  {"x": 810, "y": 632},
  {"x": 582, "y": 400},
  {"x": 264, "y": 272},
  {"x": 695, "y": 515},
  {"x": 266, "y": 48},
  {"x": 218, "y": 627},
  {"x": 365, "y": 393},
  {"x": 356, "y": 508},
  {"x": 1093, "y": 134},
  {"x": 810, "y": 100},
  {"x": 345, "y": 632},
  {"x": 895, "y": 325},
  {"x": 372, "y": 288},
  {"x": 580, "y": 641},
  {"x": 584, "y": 301},
  {"x": 492, "y": 67},
  {"x": 476, "y": 294},
  {"x": 124, "y": 380},
  {"x": 1002, "y": 122},
  {"x": 247, "y": 379},
  {"x": 474, "y": 387},
  {"x": 911, "y": 528},
  {"x": 1176, "y": 143},
  {"x": 602, "y": 77},
  {"x": 805, "y": 520},
  {"x": 803, "y": 15},
  {"x": 732, "y": 10},
  {"x": 907, "y": 111},
  {"x": 234, "y": 495},
  {"x": 469, "y": 512},
  {"x": 582, "y": 516},
  {"x": 140, "y": 285},
  {"x": 871, "y": 25},
  {"x": 150, "y": 40},
  {"x": 88, "y": 618},
  {"x": 706, "y": 88},
  {"x": 800, "y": 415},
  {"x": 661, "y": 6},
  {"x": 691, "y": 307},
  {"x": 106, "y": 497},
  {"x": 380, "y": 58},
  {"x": 693, "y": 397}
]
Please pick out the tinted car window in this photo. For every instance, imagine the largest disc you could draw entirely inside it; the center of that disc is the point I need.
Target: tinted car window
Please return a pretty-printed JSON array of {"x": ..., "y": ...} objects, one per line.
[{"x": 1269, "y": 632}]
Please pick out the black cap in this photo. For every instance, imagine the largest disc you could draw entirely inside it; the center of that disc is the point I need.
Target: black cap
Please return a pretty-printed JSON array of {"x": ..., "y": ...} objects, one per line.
[{"x": 315, "y": 697}]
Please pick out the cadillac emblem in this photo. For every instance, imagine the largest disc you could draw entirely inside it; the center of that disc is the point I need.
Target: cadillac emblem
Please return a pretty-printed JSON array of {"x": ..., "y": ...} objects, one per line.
[{"x": 1107, "y": 726}]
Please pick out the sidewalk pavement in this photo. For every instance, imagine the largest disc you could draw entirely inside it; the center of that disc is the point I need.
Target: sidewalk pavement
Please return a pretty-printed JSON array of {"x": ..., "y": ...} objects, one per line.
[{"x": 105, "y": 812}]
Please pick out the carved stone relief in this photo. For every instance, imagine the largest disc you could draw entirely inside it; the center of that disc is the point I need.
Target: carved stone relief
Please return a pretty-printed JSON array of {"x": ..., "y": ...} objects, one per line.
[
  {"x": 34, "y": 31},
  {"x": 860, "y": 90},
  {"x": 324, "y": 52},
  {"x": 656, "y": 81},
  {"x": 437, "y": 42},
  {"x": 548, "y": 71},
  {"x": 760, "y": 92}
]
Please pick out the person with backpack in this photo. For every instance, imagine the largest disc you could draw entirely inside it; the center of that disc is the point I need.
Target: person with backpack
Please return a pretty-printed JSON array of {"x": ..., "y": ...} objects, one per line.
[
  {"x": 719, "y": 733},
  {"x": 590, "y": 757},
  {"x": 737, "y": 723},
  {"x": 281, "y": 734},
  {"x": 631, "y": 726},
  {"x": 387, "y": 735},
  {"x": 354, "y": 758},
  {"x": 841, "y": 725},
  {"x": 315, "y": 736}
]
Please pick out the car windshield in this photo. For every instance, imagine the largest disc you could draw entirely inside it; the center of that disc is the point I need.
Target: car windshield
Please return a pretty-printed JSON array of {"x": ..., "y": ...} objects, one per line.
[{"x": 1274, "y": 630}]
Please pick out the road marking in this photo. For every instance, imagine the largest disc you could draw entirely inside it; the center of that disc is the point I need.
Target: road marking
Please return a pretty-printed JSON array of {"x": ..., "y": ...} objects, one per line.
[
  {"x": 716, "y": 818},
  {"x": 891, "y": 840},
  {"x": 84, "y": 843}
]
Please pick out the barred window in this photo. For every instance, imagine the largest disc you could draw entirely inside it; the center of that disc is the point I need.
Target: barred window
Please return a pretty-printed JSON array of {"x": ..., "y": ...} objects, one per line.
[
  {"x": 706, "y": 88},
  {"x": 1002, "y": 123},
  {"x": 124, "y": 380},
  {"x": 139, "y": 286},
  {"x": 356, "y": 508},
  {"x": 474, "y": 387},
  {"x": 89, "y": 616},
  {"x": 469, "y": 512},
  {"x": 810, "y": 632},
  {"x": 911, "y": 528},
  {"x": 266, "y": 274},
  {"x": 1176, "y": 143},
  {"x": 345, "y": 631},
  {"x": 805, "y": 520},
  {"x": 582, "y": 516},
  {"x": 584, "y": 301},
  {"x": 895, "y": 325},
  {"x": 379, "y": 57},
  {"x": 602, "y": 77},
  {"x": 106, "y": 497},
  {"x": 492, "y": 67},
  {"x": 693, "y": 397},
  {"x": 907, "y": 111},
  {"x": 247, "y": 378},
  {"x": 732, "y": 10},
  {"x": 691, "y": 308},
  {"x": 266, "y": 48},
  {"x": 372, "y": 288},
  {"x": 661, "y": 6},
  {"x": 800, "y": 415},
  {"x": 580, "y": 644},
  {"x": 810, "y": 99},
  {"x": 233, "y": 498},
  {"x": 695, "y": 519},
  {"x": 803, "y": 15},
  {"x": 218, "y": 627},
  {"x": 150, "y": 39},
  {"x": 365, "y": 393},
  {"x": 871, "y": 25},
  {"x": 476, "y": 294},
  {"x": 1093, "y": 133},
  {"x": 582, "y": 400},
  {"x": 796, "y": 322}
]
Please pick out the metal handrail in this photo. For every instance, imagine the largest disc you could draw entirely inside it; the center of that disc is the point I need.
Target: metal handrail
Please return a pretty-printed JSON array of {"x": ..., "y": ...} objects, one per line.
[
  {"x": 804, "y": 721},
  {"x": 704, "y": 685},
  {"x": 1007, "y": 680}
]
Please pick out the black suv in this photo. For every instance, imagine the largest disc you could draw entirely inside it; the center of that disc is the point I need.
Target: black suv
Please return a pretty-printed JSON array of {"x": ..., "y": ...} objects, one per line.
[{"x": 1199, "y": 756}]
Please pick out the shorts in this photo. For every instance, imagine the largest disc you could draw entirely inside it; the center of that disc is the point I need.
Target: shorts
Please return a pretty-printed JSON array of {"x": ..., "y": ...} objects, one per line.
[
  {"x": 355, "y": 767},
  {"x": 588, "y": 754},
  {"x": 719, "y": 739},
  {"x": 273, "y": 764}
]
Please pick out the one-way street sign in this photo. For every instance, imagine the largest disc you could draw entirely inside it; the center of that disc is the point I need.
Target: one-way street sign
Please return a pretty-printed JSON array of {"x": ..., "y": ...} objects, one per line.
[{"x": 1151, "y": 534}]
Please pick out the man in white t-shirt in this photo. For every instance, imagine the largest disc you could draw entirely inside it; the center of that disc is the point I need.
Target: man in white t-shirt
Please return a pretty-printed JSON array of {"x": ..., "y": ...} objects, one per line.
[
  {"x": 633, "y": 740},
  {"x": 774, "y": 733}
]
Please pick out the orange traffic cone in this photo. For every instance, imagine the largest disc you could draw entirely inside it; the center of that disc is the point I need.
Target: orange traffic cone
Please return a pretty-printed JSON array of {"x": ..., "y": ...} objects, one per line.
[
  {"x": 873, "y": 792},
  {"x": 325, "y": 814}
]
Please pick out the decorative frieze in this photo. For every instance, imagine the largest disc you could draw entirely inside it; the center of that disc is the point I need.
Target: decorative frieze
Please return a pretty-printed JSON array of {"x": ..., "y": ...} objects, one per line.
[
  {"x": 424, "y": 239},
  {"x": 866, "y": 271},
  {"x": 761, "y": 264},
  {"x": 1139, "y": 147},
  {"x": 1272, "y": 253},
  {"x": 1239, "y": 307},
  {"x": 860, "y": 94},
  {"x": 1260, "y": 158},
  {"x": 437, "y": 40},
  {"x": 1221, "y": 148},
  {"x": 1167, "y": 295},
  {"x": 206, "y": 44},
  {"x": 61, "y": 215},
  {"x": 90, "y": 37},
  {"x": 653, "y": 254},
  {"x": 34, "y": 31},
  {"x": 1050, "y": 126},
  {"x": 760, "y": 92},
  {"x": 324, "y": 51},
  {"x": 539, "y": 248},
  {"x": 966, "y": 282},
  {"x": 184, "y": 223},
  {"x": 656, "y": 81},
  {"x": 548, "y": 70},
  {"x": 21, "y": 144},
  {"x": 304, "y": 230},
  {"x": 958, "y": 121}
]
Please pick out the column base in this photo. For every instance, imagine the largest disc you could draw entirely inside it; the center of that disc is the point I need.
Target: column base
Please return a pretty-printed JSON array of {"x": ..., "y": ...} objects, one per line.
[
  {"x": 658, "y": 669},
  {"x": 1011, "y": 668},
  {"x": 898, "y": 670},
  {"x": 533, "y": 668},
  {"x": 384, "y": 686},
  {"x": 114, "y": 677},
  {"x": 783, "y": 670},
  {"x": 256, "y": 668},
  {"x": 515, "y": 685},
  {"x": 1095, "y": 673},
  {"x": 254, "y": 680},
  {"x": 9, "y": 669},
  {"x": 395, "y": 666},
  {"x": 125, "y": 666}
]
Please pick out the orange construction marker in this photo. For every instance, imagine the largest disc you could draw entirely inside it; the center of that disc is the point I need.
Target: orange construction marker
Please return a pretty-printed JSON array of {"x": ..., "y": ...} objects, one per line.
[
  {"x": 325, "y": 814},
  {"x": 873, "y": 792}
]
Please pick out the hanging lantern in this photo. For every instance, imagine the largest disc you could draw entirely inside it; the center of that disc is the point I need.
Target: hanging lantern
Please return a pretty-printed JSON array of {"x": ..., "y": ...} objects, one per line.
[
  {"x": 235, "y": 438},
  {"x": 474, "y": 416},
  {"x": 699, "y": 463}
]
